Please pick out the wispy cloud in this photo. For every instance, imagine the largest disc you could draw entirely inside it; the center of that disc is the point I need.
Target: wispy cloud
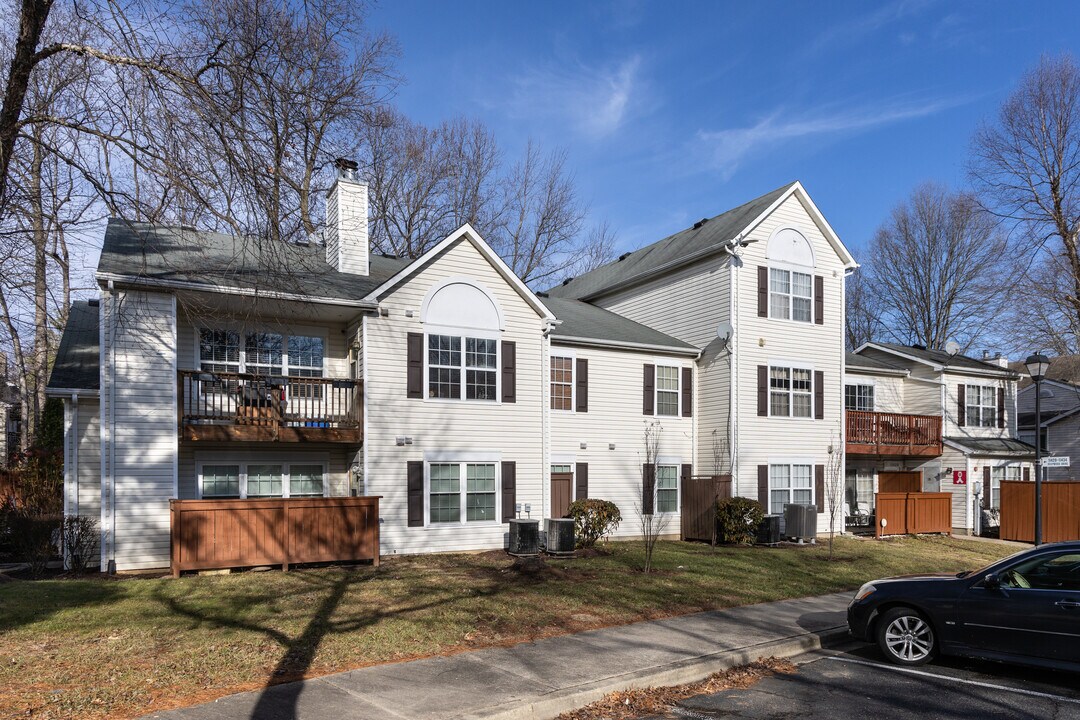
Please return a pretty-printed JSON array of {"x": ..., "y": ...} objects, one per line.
[
  {"x": 594, "y": 101},
  {"x": 726, "y": 149},
  {"x": 862, "y": 26}
]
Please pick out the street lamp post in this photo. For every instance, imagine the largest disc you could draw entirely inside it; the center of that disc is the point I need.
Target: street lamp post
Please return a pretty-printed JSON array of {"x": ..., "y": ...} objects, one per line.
[{"x": 1037, "y": 365}]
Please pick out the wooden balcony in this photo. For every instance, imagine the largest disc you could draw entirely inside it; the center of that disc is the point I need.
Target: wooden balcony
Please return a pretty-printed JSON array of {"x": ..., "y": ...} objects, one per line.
[
  {"x": 892, "y": 434},
  {"x": 219, "y": 406}
]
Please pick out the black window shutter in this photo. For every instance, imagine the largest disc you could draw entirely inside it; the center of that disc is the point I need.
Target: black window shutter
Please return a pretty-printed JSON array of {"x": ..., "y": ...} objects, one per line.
[
  {"x": 687, "y": 392},
  {"x": 415, "y": 365},
  {"x": 509, "y": 490},
  {"x": 762, "y": 390},
  {"x": 581, "y": 479},
  {"x": 684, "y": 477},
  {"x": 819, "y": 300},
  {"x": 763, "y": 487},
  {"x": 819, "y": 487},
  {"x": 1001, "y": 407},
  {"x": 509, "y": 372},
  {"x": 819, "y": 395},
  {"x": 961, "y": 402},
  {"x": 1027, "y": 474},
  {"x": 648, "y": 488},
  {"x": 581, "y": 379},
  {"x": 763, "y": 291},
  {"x": 986, "y": 487},
  {"x": 416, "y": 493},
  {"x": 648, "y": 394}
]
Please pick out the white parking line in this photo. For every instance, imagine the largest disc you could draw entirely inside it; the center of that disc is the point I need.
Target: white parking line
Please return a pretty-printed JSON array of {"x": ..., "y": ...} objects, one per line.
[{"x": 976, "y": 683}]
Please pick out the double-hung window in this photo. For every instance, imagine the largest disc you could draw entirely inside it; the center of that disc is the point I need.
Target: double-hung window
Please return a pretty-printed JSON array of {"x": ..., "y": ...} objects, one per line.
[
  {"x": 790, "y": 484},
  {"x": 305, "y": 360},
  {"x": 261, "y": 353},
  {"x": 562, "y": 383},
  {"x": 997, "y": 474},
  {"x": 667, "y": 488},
  {"x": 790, "y": 392},
  {"x": 981, "y": 406},
  {"x": 453, "y": 374},
  {"x": 452, "y": 501},
  {"x": 859, "y": 397},
  {"x": 221, "y": 481},
  {"x": 791, "y": 295},
  {"x": 667, "y": 390},
  {"x": 262, "y": 479}
]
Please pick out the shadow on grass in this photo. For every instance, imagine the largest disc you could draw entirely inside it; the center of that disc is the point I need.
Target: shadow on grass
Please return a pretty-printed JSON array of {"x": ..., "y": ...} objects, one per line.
[{"x": 24, "y": 602}]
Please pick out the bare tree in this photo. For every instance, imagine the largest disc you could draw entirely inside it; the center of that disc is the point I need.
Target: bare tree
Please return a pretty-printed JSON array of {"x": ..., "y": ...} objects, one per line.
[
  {"x": 936, "y": 267},
  {"x": 1026, "y": 169},
  {"x": 652, "y": 525},
  {"x": 834, "y": 485},
  {"x": 863, "y": 310}
]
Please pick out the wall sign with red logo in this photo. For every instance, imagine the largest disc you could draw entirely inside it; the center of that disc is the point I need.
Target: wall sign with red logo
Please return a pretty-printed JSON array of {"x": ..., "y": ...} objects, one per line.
[{"x": 959, "y": 477}]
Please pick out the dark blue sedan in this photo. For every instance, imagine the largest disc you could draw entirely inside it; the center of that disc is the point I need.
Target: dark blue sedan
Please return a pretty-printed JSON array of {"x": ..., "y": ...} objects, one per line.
[{"x": 1023, "y": 609}]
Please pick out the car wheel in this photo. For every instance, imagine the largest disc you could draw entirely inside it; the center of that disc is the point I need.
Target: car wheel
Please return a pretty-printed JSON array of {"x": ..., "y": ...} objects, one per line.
[{"x": 906, "y": 637}]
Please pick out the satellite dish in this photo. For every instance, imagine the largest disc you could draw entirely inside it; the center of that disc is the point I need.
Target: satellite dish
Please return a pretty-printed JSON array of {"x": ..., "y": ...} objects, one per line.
[
  {"x": 724, "y": 331},
  {"x": 952, "y": 347}
]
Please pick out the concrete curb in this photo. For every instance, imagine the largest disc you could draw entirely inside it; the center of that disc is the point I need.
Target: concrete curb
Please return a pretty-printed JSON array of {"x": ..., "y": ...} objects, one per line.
[{"x": 679, "y": 673}]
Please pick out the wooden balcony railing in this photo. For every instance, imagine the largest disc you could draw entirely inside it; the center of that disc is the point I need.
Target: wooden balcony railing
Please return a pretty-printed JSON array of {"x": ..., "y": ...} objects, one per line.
[
  {"x": 875, "y": 433},
  {"x": 217, "y": 406}
]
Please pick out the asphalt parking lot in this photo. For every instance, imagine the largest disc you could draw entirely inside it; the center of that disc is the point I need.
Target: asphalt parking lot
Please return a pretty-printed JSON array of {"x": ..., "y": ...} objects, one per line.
[{"x": 856, "y": 683}]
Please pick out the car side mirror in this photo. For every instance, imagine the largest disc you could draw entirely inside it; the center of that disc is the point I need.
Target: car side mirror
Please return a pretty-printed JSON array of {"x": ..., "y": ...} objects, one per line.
[{"x": 992, "y": 581}]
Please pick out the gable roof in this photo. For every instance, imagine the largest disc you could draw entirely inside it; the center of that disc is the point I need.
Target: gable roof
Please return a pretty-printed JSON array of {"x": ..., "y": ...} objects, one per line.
[
  {"x": 77, "y": 364},
  {"x": 1063, "y": 369},
  {"x": 583, "y": 324},
  {"x": 704, "y": 238},
  {"x": 170, "y": 256},
  {"x": 938, "y": 359},
  {"x": 854, "y": 361},
  {"x": 466, "y": 233},
  {"x": 1049, "y": 417}
]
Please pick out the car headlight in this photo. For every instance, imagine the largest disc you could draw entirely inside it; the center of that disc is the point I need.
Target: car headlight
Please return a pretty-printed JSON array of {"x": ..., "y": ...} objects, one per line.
[{"x": 865, "y": 591}]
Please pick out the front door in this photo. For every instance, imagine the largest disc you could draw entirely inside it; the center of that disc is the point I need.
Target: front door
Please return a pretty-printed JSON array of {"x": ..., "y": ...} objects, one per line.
[
  {"x": 900, "y": 482},
  {"x": 562, "y": 493},
  {"x": 1035, "y": 612}
]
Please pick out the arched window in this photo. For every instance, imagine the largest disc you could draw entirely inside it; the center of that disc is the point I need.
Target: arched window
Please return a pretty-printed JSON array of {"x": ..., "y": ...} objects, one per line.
[
  {"x": 791, "y": 279},
  {"x": 462, "y": 322}
]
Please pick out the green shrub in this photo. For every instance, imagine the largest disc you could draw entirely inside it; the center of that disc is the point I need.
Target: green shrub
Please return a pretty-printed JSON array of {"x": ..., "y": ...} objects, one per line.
[
  {"x": 737, "y": 520},
  {"x": 593, "y": 520}
]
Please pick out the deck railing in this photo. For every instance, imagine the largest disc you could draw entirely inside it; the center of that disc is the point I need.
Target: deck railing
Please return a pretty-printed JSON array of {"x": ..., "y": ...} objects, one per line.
[
  {"x": 877, "y": 433},
  {"x": 270, "y": 401}
]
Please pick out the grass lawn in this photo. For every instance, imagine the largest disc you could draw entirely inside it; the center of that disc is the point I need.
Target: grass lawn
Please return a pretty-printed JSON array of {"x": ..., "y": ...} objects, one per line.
[{"x": 122, "y": 647}]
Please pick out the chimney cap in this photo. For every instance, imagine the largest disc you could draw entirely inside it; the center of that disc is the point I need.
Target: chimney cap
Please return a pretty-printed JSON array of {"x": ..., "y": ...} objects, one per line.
[{"x": 346, "y": 168}]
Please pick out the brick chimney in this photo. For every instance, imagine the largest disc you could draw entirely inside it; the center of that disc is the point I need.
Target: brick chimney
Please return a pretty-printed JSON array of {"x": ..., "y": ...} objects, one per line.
[{"x": 346, "y": 220}]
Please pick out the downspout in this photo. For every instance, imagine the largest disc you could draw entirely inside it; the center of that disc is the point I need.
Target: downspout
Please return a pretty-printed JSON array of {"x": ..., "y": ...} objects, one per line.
[
  {"x": 733, "y": 381},
  {"x": 110, "y": 527},
  {"x": 545, "y": 417}
]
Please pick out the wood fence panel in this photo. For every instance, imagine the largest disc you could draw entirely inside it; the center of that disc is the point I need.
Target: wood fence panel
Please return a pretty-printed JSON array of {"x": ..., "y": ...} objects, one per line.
[
  {"x": 1061, "y": 511},
  {"x": 913, "y": 513},
  {"x": 208, "y": 534},
  {"x": 700, "y": 494}
]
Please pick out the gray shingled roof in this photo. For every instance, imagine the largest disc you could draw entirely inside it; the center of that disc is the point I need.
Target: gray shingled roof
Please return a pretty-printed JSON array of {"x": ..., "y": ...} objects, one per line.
[
  {"x": 713, "y": 233},
  {"x": 993, "y": 446},
  {"x": 584, "y": 321},
  {"x": 164, "y": 253},
  {"x": 940, "y": 357},
  {"x": 854, "y": 360},
  {"x": 77, "y": 359}
]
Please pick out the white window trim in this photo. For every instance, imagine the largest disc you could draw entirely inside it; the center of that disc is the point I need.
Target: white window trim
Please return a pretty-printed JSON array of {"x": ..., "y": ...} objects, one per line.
[
  {"x": 791, "y": 462},
  {"x": 783, "y": 364},
  {"x": 677, "y": 464},
  {"x": 657, "y": 364},
  {"x": 870, "y": 384},
  {"x": 791, "y": 268},
  {"x": 992, "y": 406},
  {"x": 242, "y": 461},
  {"x": 453, "y": 458},
  {"x": 809, "y": 244},
  {"x": 242, "y": 333},
  {"x": 462, "y": 334},
  {"x": 1003, "y": 467},
  {"x": 461, "y": 280},
  {"x": 562, "y": 354}
]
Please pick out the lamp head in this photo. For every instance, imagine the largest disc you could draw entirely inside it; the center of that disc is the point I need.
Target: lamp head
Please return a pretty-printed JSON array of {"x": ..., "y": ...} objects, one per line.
[{"x": 1037, "y": 366}]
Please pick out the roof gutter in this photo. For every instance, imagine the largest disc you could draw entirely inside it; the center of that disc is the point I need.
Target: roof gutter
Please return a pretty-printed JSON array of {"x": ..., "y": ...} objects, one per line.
[
  {"x": 135, "y": 281},
  {"x": 623, "y": 345},
  {"x": 68, "y": 392}
]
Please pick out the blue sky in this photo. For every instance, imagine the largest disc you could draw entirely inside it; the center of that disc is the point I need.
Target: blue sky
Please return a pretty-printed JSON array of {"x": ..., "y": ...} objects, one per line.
[{"x": 680, "y": 110}]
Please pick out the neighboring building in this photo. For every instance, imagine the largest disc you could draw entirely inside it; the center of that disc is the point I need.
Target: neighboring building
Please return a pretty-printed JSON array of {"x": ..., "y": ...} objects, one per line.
[
  {"x": 1059, "y": 426},
  {"x": 10, "y": 414},
  {"x": 444, "y": 384},
  {"x": 925, "y": 420}
]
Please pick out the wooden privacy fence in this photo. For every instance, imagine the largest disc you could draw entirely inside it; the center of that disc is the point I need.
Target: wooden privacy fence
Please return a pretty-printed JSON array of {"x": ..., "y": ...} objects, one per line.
[
  {"x": 1061, "y": 511},
  {"x": 700, "y": 494},
  {"x": 913, "y": 513},
  {"x": 208, "y": 534}
]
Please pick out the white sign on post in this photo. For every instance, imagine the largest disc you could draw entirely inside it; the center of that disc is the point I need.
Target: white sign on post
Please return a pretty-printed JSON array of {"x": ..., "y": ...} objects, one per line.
[{"x": 1056, "y": 461}]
